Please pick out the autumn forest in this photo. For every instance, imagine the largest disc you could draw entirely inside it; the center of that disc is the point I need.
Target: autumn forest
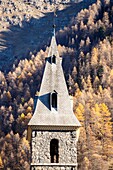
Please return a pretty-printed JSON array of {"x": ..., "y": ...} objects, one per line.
[{"x": 86, "y": 46}]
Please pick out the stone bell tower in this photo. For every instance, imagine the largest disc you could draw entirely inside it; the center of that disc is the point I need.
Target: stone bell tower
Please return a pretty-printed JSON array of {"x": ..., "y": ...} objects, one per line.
[{"x": 52, "y": 131}]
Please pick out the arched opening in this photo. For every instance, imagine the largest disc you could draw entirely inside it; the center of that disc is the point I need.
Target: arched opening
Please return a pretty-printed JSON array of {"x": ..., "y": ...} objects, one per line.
[
  {"x": 54, "y": 59},
  {"x": 54, "y": 100},
  {"x": 54, "y": 151}
]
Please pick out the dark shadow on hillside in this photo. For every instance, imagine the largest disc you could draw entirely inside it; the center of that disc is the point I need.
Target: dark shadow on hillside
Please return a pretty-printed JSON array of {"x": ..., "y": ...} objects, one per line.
[{"x": 18, "y": 41}]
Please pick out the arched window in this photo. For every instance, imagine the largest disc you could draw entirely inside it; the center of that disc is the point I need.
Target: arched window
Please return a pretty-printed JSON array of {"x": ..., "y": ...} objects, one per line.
[
  {"x": 54, "y": 59},
  {"x": 54, "y": 151},
  {"x": 54, "y": 100}
]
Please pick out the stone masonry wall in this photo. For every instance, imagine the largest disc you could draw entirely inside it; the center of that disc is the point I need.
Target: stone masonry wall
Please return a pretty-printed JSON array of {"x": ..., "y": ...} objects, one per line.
[
  {"x": 41, "y": 148},
  {"x": 53, "y": 168}
]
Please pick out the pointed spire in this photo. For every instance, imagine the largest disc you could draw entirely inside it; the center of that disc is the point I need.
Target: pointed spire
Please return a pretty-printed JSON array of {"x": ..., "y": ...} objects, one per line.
[{"x": 54, "y": 107}]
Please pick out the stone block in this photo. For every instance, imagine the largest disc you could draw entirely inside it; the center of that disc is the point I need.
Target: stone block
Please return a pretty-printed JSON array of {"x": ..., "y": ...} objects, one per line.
[
  {"x": 62, "y": 168},
  {"x": 50, "y": 168}
]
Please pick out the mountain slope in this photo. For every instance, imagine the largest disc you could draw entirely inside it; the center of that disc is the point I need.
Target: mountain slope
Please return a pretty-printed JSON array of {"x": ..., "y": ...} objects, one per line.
[{"x": 25, "y": 29}]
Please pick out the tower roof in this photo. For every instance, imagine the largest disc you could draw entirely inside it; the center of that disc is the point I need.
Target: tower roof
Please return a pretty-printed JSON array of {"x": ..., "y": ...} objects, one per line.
[{"x": 53, "y": 82}]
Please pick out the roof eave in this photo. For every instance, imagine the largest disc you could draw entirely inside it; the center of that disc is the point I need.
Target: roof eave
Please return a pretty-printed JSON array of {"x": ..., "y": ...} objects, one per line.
[{"x": 55, "y": 127}]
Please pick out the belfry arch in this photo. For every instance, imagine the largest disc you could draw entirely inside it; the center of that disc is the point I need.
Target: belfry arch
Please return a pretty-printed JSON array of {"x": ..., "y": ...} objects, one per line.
[{"x": 54, "y": 151}]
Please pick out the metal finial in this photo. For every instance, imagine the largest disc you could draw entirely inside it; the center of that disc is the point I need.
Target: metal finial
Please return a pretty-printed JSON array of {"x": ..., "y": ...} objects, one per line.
[
  {"x": 54, "y": 26},
  {"x": 55, "y": 15}
]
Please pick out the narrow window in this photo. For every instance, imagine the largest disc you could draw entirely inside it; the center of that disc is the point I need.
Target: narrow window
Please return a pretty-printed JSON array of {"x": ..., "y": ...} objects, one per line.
[
  {"x": 54, "y": 100},
  {"x": 54, "y": 59},
  {"x": 54, "y": 151}
]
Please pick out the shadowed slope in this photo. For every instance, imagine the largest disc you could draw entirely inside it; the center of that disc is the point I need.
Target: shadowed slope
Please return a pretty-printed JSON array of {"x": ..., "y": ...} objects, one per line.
[{"x": 18, "y": 41}]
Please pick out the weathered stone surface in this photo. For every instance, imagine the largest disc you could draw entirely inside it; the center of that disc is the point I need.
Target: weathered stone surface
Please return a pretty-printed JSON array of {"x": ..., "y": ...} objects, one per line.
[
  {"x": 41, "y": 147},
  {"x": 54, "y": 168}
]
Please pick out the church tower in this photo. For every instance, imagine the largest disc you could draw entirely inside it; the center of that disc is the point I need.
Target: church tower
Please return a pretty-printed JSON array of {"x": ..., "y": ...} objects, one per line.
[{"x": 53, "y": 129}]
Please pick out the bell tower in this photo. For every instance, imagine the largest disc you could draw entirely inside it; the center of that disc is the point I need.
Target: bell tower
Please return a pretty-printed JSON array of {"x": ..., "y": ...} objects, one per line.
[{"x": 52, "y": 131}]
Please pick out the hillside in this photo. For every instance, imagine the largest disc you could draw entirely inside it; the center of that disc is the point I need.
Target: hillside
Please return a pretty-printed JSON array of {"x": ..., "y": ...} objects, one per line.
[
  {"x": 86, "y": 46},
  {"x": 24, "y": 28}
]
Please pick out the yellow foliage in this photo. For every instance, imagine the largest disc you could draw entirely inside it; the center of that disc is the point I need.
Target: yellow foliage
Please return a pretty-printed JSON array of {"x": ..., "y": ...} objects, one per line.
[
  {"x": 1, "y": 163},
  {"x": 89, "y": 82},
  {"x": 23, "y": 152},
  {"x": 25, "y": 143},
  {"x": 111, "y": 73},
  {"x": 86, "y": 160},
  {"x": 31, "y": 62},
  {"x": 29, "y": 109},
  {"x": 22, "y": 116},
  {"x": 78, "y": 93},
  {"x": 80, "y": 111},
  {"x": 8, "y": 136},
  {"x": 96, "y": 108},
  {"x": 102, "y": 117},
  {"x": 104, "y": 109},
  {"x": 86, "y": 163},
  {"x": 101, "y": 110},
  {"x": 96, "y": 79},
  {"x": 94, "y": 58},
  {"x": 95, "y": 50},
  {"x": 29, "y": 115},
  {"x": 100, "y": 89}
]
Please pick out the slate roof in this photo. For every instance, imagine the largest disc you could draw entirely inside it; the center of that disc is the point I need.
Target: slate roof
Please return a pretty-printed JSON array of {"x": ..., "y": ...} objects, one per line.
[{"x": 53, "y": 80}]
